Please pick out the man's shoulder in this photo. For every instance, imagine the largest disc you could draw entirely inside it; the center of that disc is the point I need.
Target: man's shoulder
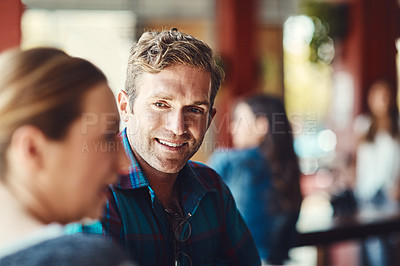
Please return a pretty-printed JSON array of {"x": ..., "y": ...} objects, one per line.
[{"x": 77, "y": 249}]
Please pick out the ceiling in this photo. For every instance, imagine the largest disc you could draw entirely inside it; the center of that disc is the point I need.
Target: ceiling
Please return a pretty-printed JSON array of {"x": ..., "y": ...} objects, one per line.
[{"x": 270, "y": 11}]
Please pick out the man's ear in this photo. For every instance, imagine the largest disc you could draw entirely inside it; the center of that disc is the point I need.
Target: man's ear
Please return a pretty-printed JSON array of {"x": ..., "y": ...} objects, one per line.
[
  {"x": 123, "y": 105},
  {"x": 27, "y": 148},
  {"x": 211, "y": 117}
]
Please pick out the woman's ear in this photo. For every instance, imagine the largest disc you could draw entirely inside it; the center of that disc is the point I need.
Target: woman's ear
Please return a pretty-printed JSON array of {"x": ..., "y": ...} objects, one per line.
[
  {"x": 262, "y": 125},
  {"x": 27, "y": 148},
  {"x": 123, "y": 105}
]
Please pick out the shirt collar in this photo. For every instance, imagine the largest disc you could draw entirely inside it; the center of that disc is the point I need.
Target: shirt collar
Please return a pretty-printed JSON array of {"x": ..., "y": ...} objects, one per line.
[
  {"x": 135, "y": 178},
  {"x": 193, "y": 190}
]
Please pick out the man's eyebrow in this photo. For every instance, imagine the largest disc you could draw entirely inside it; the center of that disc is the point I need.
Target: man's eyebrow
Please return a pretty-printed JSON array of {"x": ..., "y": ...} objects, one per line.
[
  {"x": 201, "y": 103},
  {"x": 162, "y": 96},
  {"x": 170, "y": 98}
]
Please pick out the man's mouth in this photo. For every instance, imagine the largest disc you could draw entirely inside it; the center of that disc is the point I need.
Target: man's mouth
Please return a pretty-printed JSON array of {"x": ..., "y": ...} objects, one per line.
[{"x": 171, "y": 144}]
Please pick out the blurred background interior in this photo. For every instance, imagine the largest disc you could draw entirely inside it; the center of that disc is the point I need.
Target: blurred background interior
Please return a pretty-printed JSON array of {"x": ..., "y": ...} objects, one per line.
[{"x": 319, "y": 56}]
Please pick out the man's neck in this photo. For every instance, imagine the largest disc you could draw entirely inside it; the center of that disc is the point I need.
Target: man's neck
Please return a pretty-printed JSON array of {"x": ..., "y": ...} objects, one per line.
[
  {"x": 164, "y": 187},
  {"x": 161, "y": 183}
]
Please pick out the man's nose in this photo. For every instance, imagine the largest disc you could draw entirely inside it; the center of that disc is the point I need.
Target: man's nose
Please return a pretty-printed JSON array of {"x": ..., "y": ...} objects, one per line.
[{"x": 176, "y": 122}]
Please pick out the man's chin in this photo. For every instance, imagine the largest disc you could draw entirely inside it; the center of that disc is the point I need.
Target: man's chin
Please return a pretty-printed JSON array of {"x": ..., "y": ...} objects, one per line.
[
  {"x": 167, "y": 170},
  {"x": 169, "y": 167}
]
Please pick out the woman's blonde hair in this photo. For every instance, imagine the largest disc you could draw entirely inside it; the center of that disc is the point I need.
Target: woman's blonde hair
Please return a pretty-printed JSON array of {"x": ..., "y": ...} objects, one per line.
[{"x": 42, "y": 87}]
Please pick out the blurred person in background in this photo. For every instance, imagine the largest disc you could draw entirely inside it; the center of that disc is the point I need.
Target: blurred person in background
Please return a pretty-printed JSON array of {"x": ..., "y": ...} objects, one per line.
[
  {"x": 378, "y": 147},
  {"x": 263, "y": 174},
  {"x": 377, "y": 161},
  {"x": 51, "y": 172}
]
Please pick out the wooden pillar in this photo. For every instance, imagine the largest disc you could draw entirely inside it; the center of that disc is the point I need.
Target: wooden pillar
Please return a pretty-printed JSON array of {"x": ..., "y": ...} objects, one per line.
[
  {"x": 10, "y": 23},
  {"x": 369, "y": 50},
  {"x": 236, "y": 44},
  {"x": 381, "y": 27}
]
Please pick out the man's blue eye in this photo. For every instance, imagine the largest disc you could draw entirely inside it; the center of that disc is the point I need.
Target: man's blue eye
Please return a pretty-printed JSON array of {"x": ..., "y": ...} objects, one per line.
[
  {"x": 196, "y": 110},
  {"x": 158, "y": 104}
]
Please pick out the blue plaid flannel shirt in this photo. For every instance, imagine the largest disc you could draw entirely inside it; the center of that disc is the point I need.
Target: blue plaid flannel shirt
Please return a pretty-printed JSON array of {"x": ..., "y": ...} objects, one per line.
[{"x": 136, "y": 219}]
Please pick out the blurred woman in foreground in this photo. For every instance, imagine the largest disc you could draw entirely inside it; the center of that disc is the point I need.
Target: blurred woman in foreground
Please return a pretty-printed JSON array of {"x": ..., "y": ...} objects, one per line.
[
  {"x": 55, "y": 112},
  {"x": 263, "y": 174}
]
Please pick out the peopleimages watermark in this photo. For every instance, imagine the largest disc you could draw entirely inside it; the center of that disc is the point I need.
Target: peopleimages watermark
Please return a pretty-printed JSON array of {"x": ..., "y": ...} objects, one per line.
[
  {"x": 101, "y": 146},
  {"x": 108, "y": 125},
  {"x": 304, "y": 123},
  {"x": 108, "y": 122},
  {"x": 301, "y": 124}
]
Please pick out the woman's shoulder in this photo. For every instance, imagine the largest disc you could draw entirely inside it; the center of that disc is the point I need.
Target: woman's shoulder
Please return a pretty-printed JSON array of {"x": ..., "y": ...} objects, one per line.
[
  {"x": 235, "y": 154},
  {"x": 361, "y": 124},
  {"x": 227, "y": 162},
  {"x": 78, "y": 249}
]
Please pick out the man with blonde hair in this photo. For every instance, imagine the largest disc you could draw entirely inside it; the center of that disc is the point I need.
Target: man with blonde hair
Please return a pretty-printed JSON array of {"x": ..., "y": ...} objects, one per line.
[{"x": 167, "y": 209}]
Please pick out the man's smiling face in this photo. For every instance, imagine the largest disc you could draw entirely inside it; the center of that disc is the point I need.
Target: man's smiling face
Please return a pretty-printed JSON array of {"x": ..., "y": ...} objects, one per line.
[{"x": 170, "y": 117}]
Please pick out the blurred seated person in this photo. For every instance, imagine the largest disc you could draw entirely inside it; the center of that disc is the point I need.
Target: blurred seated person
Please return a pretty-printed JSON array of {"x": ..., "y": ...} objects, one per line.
[
  {"x": 263, "y": 174},
  {"x": 50, "y": 171},
  {"x": 377, "y": 163},
  {"x": 378, "y": 147}
]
